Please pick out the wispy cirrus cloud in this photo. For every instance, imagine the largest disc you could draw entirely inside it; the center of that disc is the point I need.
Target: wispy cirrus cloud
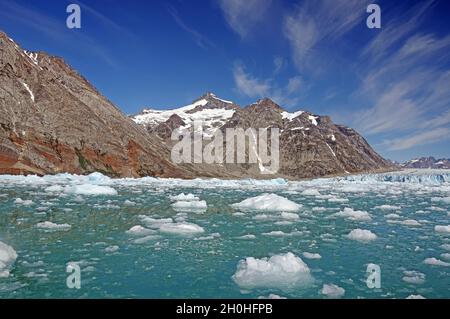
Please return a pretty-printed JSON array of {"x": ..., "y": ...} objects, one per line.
[
  {"x": 409, "y": 83},
  {"x": 254, "y": 87},
  {"x": 316, "y": 22},
  {"x": 243, "y": 15},
  {"x": 426, "y": 137},
  {"x": 201, "y": 40}
]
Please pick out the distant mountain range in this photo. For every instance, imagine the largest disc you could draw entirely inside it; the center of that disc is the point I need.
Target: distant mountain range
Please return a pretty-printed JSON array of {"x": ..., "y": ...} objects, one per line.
[
  {"x": 427, "y": 162},
  {"x": 53, "y": 120}
]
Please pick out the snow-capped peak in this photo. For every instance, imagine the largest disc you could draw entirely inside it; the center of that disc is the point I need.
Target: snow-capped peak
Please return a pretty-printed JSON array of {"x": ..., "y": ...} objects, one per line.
[{"x": 206, "y": 109}]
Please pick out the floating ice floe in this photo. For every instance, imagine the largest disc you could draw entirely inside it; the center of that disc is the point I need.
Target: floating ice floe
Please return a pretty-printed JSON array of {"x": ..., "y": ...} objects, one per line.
[
  {"x": 415, "y": 297},
  {"x": 138, "y": 230},
  {"x": 267, "y": 202},
  {"x": 406, "y": 222},
  {"x": 196, "y": 206},
  {"x": 91, "y": 190},
  {"x": 181, "y": 228},
  {"x": 289, "y": 216},
  {"x": 332, "y": 291},
  {"x": 392, "y": 216},
  {"x": 7, "y": 258},
  {"x": 20, "y": 201},
  {"x": 414, "y": 277},
  {"x": 111, "y": 249},
  {"x": 442, "y": 229},
  {"x": 388, "y": 207},
  {"x": 285, "y": 272},
  {"x": 362, "y": 235},
  {"x": 311, "y": 192},
  {"x": 246, "y": 237},
  {"x": 445, "y": 200},
  {"x": 155, "y": 223},
  {"x": 209, "y": 237},
  {"x": 146, "y": 239},
  {"x": 357, "y": 215},
  {"x": 184, "y": 198},
  {"x": 54, "y": 189},
  {"x": 272, "y": 296},
  {"x": 436, "y": 262},
  {"x": 49, "y": 226},
  {"x": 311, "y": 255}
]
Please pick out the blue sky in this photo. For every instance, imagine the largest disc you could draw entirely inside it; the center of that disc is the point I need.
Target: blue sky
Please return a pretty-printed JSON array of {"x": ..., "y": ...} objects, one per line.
[{"x": 391, "y": 84}]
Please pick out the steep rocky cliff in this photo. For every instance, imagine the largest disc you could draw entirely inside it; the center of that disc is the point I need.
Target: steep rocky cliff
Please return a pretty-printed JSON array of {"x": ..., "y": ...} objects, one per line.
[{"x": 53, "y": 120}]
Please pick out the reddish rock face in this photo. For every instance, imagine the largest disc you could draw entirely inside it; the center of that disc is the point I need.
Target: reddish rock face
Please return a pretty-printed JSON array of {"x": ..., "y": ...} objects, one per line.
[{"x": 53, "y": 120}]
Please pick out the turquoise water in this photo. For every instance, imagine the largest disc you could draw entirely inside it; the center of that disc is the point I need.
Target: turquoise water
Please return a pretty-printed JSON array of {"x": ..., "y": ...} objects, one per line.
[{"x": 201, "y": 265}]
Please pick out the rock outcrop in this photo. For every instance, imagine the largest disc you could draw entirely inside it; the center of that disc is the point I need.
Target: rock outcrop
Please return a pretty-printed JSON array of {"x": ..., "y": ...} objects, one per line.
[{"x": 53, "y": 120}]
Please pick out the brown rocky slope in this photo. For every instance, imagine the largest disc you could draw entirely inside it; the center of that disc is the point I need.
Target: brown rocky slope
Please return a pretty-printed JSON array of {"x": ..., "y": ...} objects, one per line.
[{"x": 53, "y": 120}]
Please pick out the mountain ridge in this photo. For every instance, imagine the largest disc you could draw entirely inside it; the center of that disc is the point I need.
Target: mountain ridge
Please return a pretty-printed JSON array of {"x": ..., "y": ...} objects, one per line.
[{"x": 53, "y": 120}]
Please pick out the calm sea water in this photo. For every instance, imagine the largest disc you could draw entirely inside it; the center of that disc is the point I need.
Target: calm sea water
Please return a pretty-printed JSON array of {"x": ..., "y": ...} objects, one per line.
[{"x": 403, "y": 211}]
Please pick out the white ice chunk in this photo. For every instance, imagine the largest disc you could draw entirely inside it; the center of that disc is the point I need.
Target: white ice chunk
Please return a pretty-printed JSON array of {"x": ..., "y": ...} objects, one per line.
[
  {"x": 268, "y": 202},
  {"x": 91, "y": 190},
  {"x": 184, "y": 198},
  {"x": 181, "y": 228},
  {"x": 436, "y": 262},
  {"x": 442, "y": 229},
  {"x": 362, "y": 235},
  {"x": 332, "y": 291},
  {"x": 311, "y": 255},
  {"x": 284, "y": 272},
  {"x": 138, "y": 230},
  {"x": 357, "y": 215},
  {"x": 7, "y": 258},
  {"x": 49, "y": 226},
  {"x": 198, "y": 206}
]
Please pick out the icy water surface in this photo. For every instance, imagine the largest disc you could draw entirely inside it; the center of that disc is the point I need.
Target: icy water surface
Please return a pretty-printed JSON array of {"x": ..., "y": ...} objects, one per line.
[{"x": 398, "y": 221}]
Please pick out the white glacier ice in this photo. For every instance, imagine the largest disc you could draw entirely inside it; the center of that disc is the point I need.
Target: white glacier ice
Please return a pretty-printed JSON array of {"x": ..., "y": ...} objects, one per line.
[
  {"x": 138, "y": 230},
  {"x": 308, "y": 255},
  {"x": 284, "y": 272},
  {"x": 356, "y": 215},
  {"x": 436, "y": 262},
  {"x": 181, "y": 228},
  {"x": 7, "y": 258},
  {"x": 196, "y": 206},
  {"x": 49, "y": 226},
  {"x": 184, "y": 198},
  {"x": 442, "y": 229},
  {"x": 332, "y": 291},
  {"x": 91, "y": 190},
  {"x": 267, "y": 202},
  {"x": 362, "y": 235},
  {"x": 20, "y": 201}
]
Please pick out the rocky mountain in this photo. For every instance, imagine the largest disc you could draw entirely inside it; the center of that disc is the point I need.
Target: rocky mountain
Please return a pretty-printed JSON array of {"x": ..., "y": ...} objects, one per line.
[
  {"x": 310, "y": 145},
  {"x": 53, "y": 120},
  {"x": 427, "y": 162}
]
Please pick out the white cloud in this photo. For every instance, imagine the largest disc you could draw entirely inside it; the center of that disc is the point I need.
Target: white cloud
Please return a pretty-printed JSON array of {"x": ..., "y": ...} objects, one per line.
[
  {"x": 294, "y": 84},
  {"x": 278, "y": 63},
  {"x": 316, "y": 21},
  {"x": 406, "y": 78},
  {"x": 199, "y": 38},
  {"x": 243, "y": 15},
  {"x": 396, "y": 30},
  {"x": 249, "y": 85},
  {"x": 254, "y": 87},
  {"x": 425, "y": 137}
]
